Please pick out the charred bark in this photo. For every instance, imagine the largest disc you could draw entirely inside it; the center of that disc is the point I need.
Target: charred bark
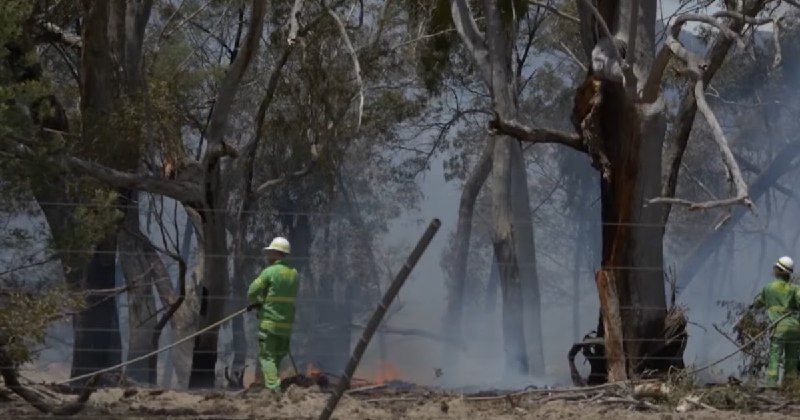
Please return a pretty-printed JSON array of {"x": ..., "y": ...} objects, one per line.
[
  {"x": 97, "y": 342},
  {"x": 213, "y": 297},
  {"x": 631, "y": 133}
]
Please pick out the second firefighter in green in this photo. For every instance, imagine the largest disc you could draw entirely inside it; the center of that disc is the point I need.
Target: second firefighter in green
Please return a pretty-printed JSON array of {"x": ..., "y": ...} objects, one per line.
[
  {"x": 780, "y": 297},
  {"x": 273, "y": 294}
]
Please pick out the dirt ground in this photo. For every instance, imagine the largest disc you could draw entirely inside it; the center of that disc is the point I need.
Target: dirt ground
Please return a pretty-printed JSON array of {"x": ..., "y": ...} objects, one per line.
[{"x": 302, "y": 403}]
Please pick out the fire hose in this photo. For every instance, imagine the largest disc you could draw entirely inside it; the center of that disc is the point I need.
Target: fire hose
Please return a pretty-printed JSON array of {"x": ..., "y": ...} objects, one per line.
[{"x": 155, "y": 352}]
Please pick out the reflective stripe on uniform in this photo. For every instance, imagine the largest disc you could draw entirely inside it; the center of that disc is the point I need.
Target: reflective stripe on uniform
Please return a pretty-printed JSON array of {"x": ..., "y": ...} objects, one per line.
[
  {"x": 284, "y": 299},
  {"x": 268, "y": 324}
]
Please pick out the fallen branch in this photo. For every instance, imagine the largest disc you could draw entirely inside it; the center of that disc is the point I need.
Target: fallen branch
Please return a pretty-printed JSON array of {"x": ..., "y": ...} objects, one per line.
[
  {"x": 365, "y": 388},
  {"x": 377, "y": 317},
  {"x": 413, "y": 332},
  {"x": 636, "y": 403},
  {"x": 11, "y": 379},
  {"x": 356, "y": 64},
  {"x": 568, "y": 390}
]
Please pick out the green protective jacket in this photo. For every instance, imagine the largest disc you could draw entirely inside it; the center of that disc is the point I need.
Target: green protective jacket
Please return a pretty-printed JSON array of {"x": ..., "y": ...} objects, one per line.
[
  {"x": 780, "y": 297},
  {"x": 275, "y": 289}
]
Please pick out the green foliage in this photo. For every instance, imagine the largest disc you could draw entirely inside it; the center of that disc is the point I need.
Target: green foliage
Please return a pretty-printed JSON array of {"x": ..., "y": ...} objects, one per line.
[
  {"x": 25, "y": 316},
  {"x": 750, "y": 324},
  {"x": 89, "y": 223},
  {"x": 14, "y": 13}
]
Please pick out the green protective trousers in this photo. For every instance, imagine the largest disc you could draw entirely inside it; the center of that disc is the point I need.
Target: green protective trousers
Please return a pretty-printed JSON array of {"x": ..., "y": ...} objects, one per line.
[
  {"x": 784, "y": 349},
  {"x": 272, "y": 349}
]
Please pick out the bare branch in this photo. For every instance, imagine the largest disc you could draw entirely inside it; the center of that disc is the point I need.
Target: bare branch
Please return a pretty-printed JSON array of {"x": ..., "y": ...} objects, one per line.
[
  {"x": 55, "y": 33},
  {"x": 601, "y": 22},
  {"x": 674, "y": 47},
  {"x": 356, "y": 64},
  {"x": 554, "y": 10},
  {"x": 229, "y": 86},
  {"x": 294, "y": 21},
  {"x": 293, "y": 175},
  {"x": 472, "y": 37},
  {"x": 572, "y": 55},
  {"x": 522, "y": 132},
  {"x": 184, "y": 21},
  {"x": 740, "y": 187}
]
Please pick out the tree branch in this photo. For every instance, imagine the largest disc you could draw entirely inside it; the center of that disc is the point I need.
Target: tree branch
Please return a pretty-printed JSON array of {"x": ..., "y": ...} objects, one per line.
[
  {"x": 183, "y": 191},
  {"x": 740, "y": 187},
  {"x": 472, "y": 37},
  {"x": 229, "y": 86},
  {"x": 11, "y": 379},
  {"x": 674, "y": 47},
  {"x": 701, "y": 72},
  {"x": 292, "y": 175},
  {"x": 522, "y": 132},
  {"x": 676, "y": 145},
  {"x": 294, "y": 22},
  {"x": 572, "y": 55},
  {"x": 554, "y": 10},
  {"x": 54, "y": 33},
  {"x": 356, "y": 64}
]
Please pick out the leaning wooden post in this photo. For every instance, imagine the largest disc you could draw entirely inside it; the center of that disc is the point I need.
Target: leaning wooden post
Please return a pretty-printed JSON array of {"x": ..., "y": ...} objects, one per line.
[{"x": 377, "y": 317}]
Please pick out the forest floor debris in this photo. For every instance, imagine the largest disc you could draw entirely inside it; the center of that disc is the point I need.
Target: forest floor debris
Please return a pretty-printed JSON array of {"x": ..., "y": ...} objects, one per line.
[{"x": 392, "y": 402}]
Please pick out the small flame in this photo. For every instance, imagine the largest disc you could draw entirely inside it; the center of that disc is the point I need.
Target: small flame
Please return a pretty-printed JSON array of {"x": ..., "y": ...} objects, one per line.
[
  {"x": 385, "y": 372},
  {"x": 312, "y": 370}
]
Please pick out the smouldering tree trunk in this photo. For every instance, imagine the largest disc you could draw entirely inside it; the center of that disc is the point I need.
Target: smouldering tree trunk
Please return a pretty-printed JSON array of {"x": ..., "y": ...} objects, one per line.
[
  {"x": 97, "y": 342},
  {"x": 630, "y": 282},
  {"x": 523, "y": 226},
  {"x": 492, "y": 54},
  {"x": 455, "y": 302}
]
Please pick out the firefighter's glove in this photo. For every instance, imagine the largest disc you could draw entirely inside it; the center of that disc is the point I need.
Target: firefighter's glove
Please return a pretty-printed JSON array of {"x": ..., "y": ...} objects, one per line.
[{"x": 252, "y": 306}]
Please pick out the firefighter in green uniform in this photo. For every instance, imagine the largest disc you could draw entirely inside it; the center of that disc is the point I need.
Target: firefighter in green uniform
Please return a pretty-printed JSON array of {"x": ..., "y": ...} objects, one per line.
[
  {"x": 780, "y": 297},
  {"x": 273, "y": 294}
]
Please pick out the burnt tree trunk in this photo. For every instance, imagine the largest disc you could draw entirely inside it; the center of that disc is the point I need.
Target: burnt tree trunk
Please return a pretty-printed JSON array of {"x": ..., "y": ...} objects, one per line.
[
  {"x": 632, "y": 235},
  {"x": 512, "y": 246},
  {"x": 630, "y": 281},
  {"x": 97, "y": 342},
  {"x": 525, "y": 245},
  {"x": 213, "y": 294}
]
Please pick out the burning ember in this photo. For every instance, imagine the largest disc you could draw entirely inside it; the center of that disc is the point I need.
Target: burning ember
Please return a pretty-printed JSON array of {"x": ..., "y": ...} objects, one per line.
[
  {"x": 385, "y": 372},
  {"x": 312, "y": 370}
]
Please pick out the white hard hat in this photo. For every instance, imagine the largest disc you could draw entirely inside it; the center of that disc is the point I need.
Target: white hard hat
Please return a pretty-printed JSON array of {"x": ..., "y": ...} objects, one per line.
[
  {"x": 279, "y": 244},
  {"x": 786, "y": 264}
]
